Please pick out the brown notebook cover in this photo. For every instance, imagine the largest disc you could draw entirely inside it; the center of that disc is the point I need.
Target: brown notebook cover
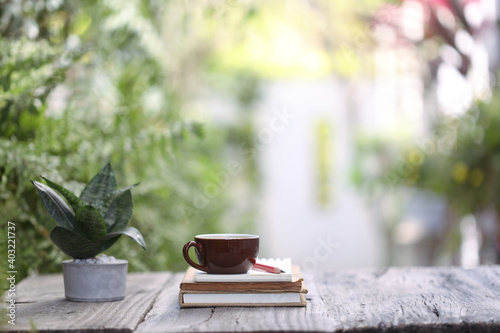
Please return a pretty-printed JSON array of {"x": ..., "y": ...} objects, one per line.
[{"x": 296, "y": 285}]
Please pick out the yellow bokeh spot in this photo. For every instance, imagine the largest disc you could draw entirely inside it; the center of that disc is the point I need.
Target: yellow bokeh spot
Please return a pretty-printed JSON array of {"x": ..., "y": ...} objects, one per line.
[
  {"x": 459, "y": 172},
  {"x": 476, "y": 177},
  {"x": 81, "y": 24},
  {"x": 416, "y": 157}
]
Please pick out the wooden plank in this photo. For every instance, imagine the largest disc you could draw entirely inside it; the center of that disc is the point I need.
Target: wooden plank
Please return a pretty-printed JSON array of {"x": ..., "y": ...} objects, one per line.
[
  {"x": 396, "y": 299},
  {"x": 414, "y": 299},
  {"x": 167, "y": 316},
  {"x": 391, "y": 300},
  {"x": 41, "y": 300}
]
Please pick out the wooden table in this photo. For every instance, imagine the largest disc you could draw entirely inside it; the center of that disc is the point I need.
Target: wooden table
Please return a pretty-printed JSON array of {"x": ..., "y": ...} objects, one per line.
[{"x": 384, "y": 300}]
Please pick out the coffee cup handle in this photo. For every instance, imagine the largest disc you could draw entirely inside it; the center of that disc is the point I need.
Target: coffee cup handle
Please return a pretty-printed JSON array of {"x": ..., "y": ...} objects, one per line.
[{"x": 185, "y": 253}]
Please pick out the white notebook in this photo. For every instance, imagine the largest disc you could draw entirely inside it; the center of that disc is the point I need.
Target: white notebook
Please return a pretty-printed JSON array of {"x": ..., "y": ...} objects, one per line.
[
  {"x": 253, "y": 298},
  {"x": 253, "y": 275}
]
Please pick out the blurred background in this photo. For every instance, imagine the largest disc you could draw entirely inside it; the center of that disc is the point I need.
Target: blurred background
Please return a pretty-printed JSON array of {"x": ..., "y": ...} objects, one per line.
[{"x": 346, "y": 134}]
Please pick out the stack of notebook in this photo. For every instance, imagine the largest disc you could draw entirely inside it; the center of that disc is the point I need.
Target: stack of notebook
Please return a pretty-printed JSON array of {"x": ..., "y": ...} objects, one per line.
[{"x": 255, "y": 288}]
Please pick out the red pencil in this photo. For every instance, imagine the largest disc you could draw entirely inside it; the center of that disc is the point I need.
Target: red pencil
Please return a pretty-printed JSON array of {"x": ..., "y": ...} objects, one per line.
[{"x": 270, "y": 269}]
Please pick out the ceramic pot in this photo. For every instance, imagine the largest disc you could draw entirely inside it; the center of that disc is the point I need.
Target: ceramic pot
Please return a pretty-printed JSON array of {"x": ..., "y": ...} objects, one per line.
[{"x": 95, "y": 282}]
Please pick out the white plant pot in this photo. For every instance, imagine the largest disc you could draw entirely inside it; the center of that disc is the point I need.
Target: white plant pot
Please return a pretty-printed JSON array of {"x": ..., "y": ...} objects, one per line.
[{"x": 95, "y": 282}]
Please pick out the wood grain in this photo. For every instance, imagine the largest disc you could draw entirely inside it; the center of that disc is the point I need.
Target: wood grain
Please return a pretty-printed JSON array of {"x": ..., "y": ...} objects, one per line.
[
  {"x": 41, "y": 300},
  {"x": 446, "y": 299},
  {"x": 167, "y": 316},
  {"x": 414, "y": 299}
]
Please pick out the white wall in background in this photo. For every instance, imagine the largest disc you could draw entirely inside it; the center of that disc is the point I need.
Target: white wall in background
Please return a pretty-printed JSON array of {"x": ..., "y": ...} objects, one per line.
[{"x": 293, "y": 223}]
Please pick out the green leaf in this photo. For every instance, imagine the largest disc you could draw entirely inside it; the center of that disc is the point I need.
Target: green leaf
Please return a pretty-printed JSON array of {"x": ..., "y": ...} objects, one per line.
[
  {"x": 131, "y": 232},
  {"x": 119, "y": 213},
  {"x": 55, "y": 205},
  {"x": 116, "y": 193},
  {"x": 73, "y": 200},
  {"x": 89, "y": 223},
  {"x": 104, "y": 245},
  {"x": 99, "y": 188},
  {"x": 73, "y": 244}
]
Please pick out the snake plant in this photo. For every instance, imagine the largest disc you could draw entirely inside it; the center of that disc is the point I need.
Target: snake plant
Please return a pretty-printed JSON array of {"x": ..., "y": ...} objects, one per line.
[{"x": 89, "y": 224}]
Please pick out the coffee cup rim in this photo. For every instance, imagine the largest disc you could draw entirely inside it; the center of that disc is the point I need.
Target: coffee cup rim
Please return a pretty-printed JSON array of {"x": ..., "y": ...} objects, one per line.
[{"x": 227, "y": 236}]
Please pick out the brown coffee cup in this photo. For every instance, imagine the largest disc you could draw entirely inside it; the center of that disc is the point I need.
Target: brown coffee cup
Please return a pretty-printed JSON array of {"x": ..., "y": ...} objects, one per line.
[{"x": 223, "y": 253}]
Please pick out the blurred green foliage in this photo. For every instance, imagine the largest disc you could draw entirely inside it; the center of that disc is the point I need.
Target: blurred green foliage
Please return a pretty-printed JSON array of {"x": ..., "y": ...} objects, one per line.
[
  {"x": 84, "y": 83},
  {"x": 24, "y": 90},
  {"x": 462, "y": 160},
  {"x": 459, "y": 160}
]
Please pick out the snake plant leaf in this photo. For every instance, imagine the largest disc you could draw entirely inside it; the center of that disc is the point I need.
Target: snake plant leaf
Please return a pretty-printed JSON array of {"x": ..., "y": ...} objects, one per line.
[
  {"x": 73, "y": 244},
  {"x": 111, "y": 213},
  {"x": 104, "y": 245},
  {"x": 101, "y": 186},
  {"x": 73, "y": 200},
  {"x": 82, "y": 232},
  {"x": 89, "y": 223},
  {"x": 119, "y": 213},
  {"x": 55, "y": 205},
  {"x": 115, "y": 194},
  {"x": 131, "y": 232}
]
